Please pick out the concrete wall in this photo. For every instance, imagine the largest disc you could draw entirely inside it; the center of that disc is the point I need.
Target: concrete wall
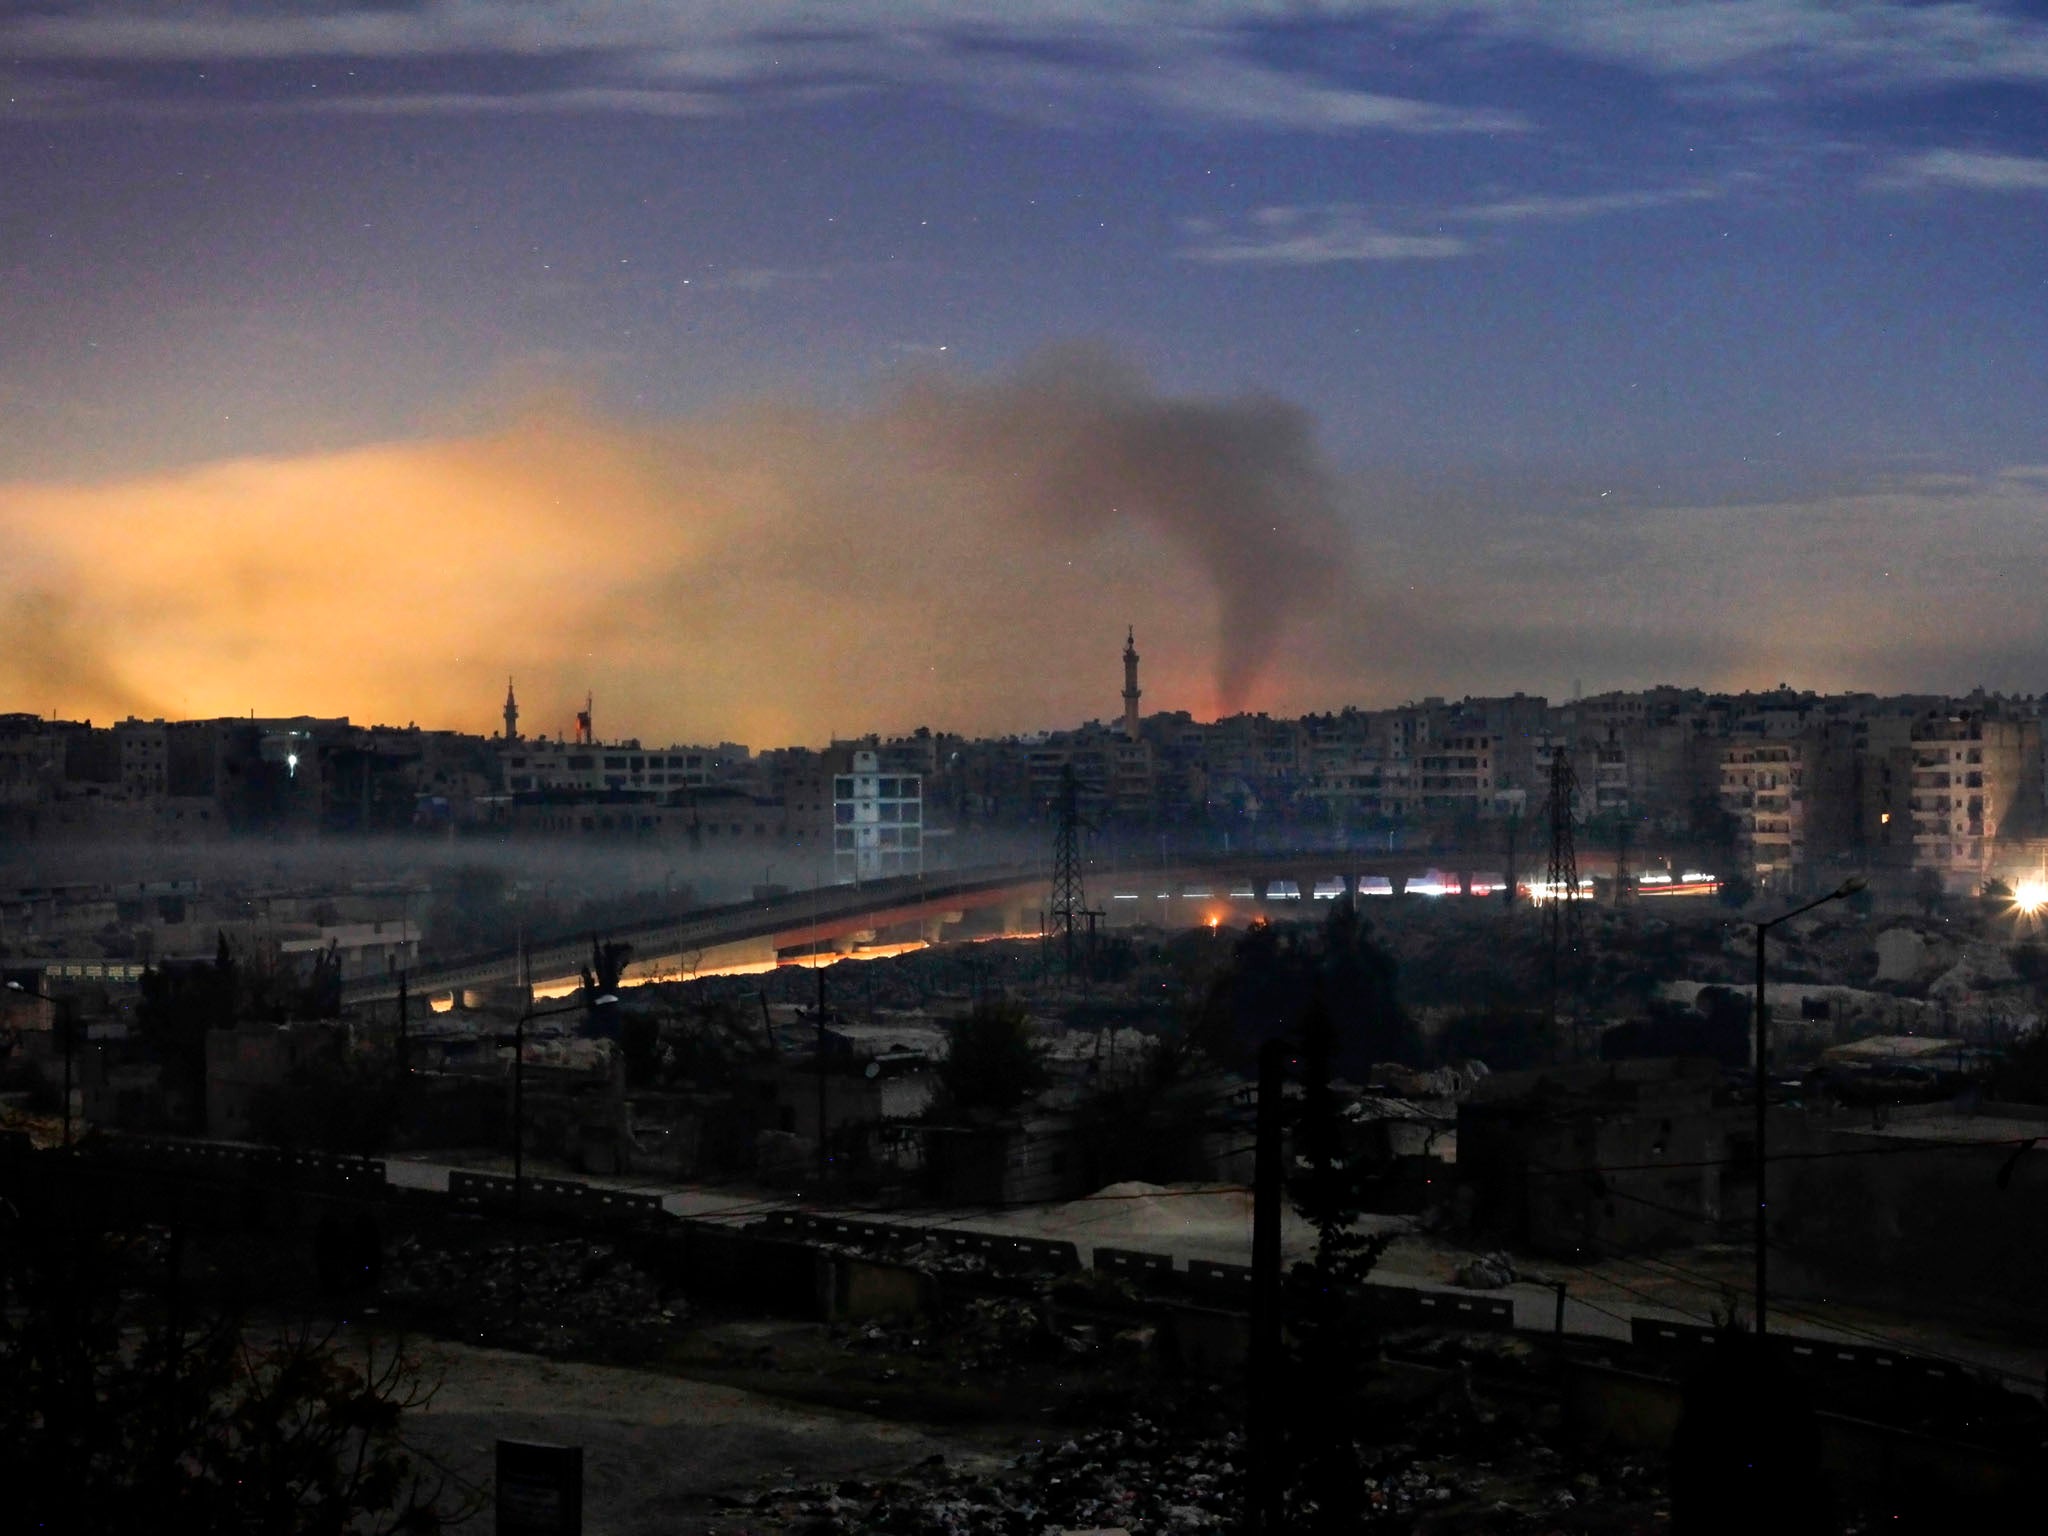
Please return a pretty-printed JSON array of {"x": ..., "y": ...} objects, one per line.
[{"x": 1921, "y": 1224}]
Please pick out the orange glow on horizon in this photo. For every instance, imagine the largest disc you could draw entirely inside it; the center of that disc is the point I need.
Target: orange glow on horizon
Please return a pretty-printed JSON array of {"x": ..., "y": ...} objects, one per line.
[{"x": 772, "y": 576}]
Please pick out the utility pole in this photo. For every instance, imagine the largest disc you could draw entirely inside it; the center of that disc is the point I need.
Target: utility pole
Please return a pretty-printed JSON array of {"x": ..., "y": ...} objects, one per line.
[
  {"x": 818, "y": 967},
  {"x": 1514, "y": 827},
  {"x": 1069, "y": 901},
  {"x": 1621, "y": 871},
  {"x": 1268, "y": 1192},
  {"x": 404, "y": 1026},
  {"x": 1847, "y": 888},
  {"x": 67, "y": 1022},
  {"x": 1561, "y": 881}
]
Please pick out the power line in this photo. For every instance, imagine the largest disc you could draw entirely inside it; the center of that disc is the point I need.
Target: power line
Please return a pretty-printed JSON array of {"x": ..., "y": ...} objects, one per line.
[
  {"x": 1803, "y": 1312},
  {"x": 1904, "y": 1149},
  {"x": 1416, "y": 1229}
]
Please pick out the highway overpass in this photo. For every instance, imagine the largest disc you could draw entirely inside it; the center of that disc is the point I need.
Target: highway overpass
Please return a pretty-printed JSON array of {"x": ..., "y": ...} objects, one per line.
[{"x": 1182, "y": 891}]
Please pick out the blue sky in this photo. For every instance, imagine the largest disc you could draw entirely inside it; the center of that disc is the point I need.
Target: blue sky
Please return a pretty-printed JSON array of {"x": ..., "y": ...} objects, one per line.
[{"x": 1525, "y": 268}]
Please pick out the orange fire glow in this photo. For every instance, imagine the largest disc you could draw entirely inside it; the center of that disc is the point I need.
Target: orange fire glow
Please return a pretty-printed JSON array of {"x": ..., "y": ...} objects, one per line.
[{"x": 768, "y": 576}]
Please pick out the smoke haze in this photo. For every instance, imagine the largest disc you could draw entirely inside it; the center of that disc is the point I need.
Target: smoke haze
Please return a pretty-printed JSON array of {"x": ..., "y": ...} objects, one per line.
[
  {"x": 964, "y": 554},
  {"x": 961, "y": 554}
]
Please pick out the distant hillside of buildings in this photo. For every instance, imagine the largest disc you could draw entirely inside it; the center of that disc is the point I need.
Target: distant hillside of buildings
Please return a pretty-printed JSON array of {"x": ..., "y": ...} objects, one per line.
[{"x": 1945, "y": 791}]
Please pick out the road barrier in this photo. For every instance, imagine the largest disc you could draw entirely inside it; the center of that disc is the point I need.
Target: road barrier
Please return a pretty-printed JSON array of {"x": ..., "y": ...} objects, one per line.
[
  {"x": 1685, "y": 1341},
  {"x": 1155, "y": 1269},
  {"x": 778, "y": 1259},
  {"x": 1228, "y": 1284}
]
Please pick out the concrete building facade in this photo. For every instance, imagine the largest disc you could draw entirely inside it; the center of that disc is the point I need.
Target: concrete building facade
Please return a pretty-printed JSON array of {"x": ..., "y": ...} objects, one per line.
[{"x": 877, "y": 821}]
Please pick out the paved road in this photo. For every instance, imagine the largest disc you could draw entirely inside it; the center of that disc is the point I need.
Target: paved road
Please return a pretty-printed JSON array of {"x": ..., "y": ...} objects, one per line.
[{"x": 1215, "y": 1223}]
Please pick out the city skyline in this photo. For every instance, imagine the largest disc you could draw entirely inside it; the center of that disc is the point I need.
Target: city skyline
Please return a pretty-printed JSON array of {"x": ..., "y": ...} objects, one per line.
[
  {"x": 539, "y": 723},
  {"x": 771, "y": 368}
]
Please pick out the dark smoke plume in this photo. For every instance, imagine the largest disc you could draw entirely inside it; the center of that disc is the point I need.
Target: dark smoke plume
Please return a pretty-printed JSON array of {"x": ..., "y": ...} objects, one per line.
[{"x": 1076, "y": 442}]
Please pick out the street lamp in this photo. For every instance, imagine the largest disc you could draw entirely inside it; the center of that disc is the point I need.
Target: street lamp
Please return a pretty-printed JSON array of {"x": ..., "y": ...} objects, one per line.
[{"x": 1847, "y": 888}]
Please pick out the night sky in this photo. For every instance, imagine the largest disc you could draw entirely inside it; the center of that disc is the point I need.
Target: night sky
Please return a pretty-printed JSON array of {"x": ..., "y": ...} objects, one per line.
[{"x": 773, "y": 370}]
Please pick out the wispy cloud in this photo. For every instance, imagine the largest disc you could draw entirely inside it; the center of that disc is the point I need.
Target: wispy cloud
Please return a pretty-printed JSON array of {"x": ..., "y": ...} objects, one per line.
[
  {"x": 1287, "y": 235},
  {"x": 1191, "y": 64},
  {"x": 1547, "y": 208},
  {"x": 1313, "y": 237},
  {"x": 1867, "y": 42},
  {"x": 1769, "y": 44},
  {"x": 593, "y": 98},
  {"x": 1243, "y": 92},
  {"x": 1972, "y": 170},
  {"x": 1196, "y": 62}
]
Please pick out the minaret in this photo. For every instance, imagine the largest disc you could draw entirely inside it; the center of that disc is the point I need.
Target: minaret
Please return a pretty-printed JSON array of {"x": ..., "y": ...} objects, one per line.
[
  {"x": 1131, "y": 684},
  {"x": 511, "y": 713}
]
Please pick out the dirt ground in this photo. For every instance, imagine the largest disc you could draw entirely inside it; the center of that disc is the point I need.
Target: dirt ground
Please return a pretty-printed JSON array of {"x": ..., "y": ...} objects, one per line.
[{"x": 661, "y": 1452}]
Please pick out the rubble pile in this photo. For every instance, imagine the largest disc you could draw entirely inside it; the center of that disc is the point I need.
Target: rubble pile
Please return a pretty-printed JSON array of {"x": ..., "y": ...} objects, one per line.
[
  {"x": 1137, "y": 1477},
  {"x": 934, "y": 1257},
  {"x": 567, "y": 1296},
  {"x": 989, "y": 1336},
  {"x": 1146, "y": 1479},
  {"x": 1487, "y": 1272}
]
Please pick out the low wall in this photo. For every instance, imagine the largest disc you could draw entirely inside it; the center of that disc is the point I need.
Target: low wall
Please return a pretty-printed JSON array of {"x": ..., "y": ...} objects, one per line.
[{"x": 1628, "y": 1409}]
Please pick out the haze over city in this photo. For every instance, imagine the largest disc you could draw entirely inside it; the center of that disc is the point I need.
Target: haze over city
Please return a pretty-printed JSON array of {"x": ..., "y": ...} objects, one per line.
[
  {"x": 778, "y": 370},
  {"x": 1035, "y": 767}
]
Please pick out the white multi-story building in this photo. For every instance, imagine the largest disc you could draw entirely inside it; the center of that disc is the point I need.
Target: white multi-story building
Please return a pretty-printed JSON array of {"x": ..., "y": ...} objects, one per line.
[{"x": 877, "y": 821}]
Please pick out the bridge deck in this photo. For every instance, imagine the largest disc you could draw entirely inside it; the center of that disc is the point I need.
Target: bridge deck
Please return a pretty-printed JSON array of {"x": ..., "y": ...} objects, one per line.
[{"x": 802, "y": 916}]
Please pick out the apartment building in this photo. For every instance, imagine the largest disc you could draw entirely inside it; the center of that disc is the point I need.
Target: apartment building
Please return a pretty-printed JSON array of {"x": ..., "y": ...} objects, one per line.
[
  {"x": 1968, "y": 775},
  {"x": 564, "y": 765},
  {"x": 1455, "y": 776},
  {"x": 1763, "y": 786},
  {"x": 877, "y": 821}
]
